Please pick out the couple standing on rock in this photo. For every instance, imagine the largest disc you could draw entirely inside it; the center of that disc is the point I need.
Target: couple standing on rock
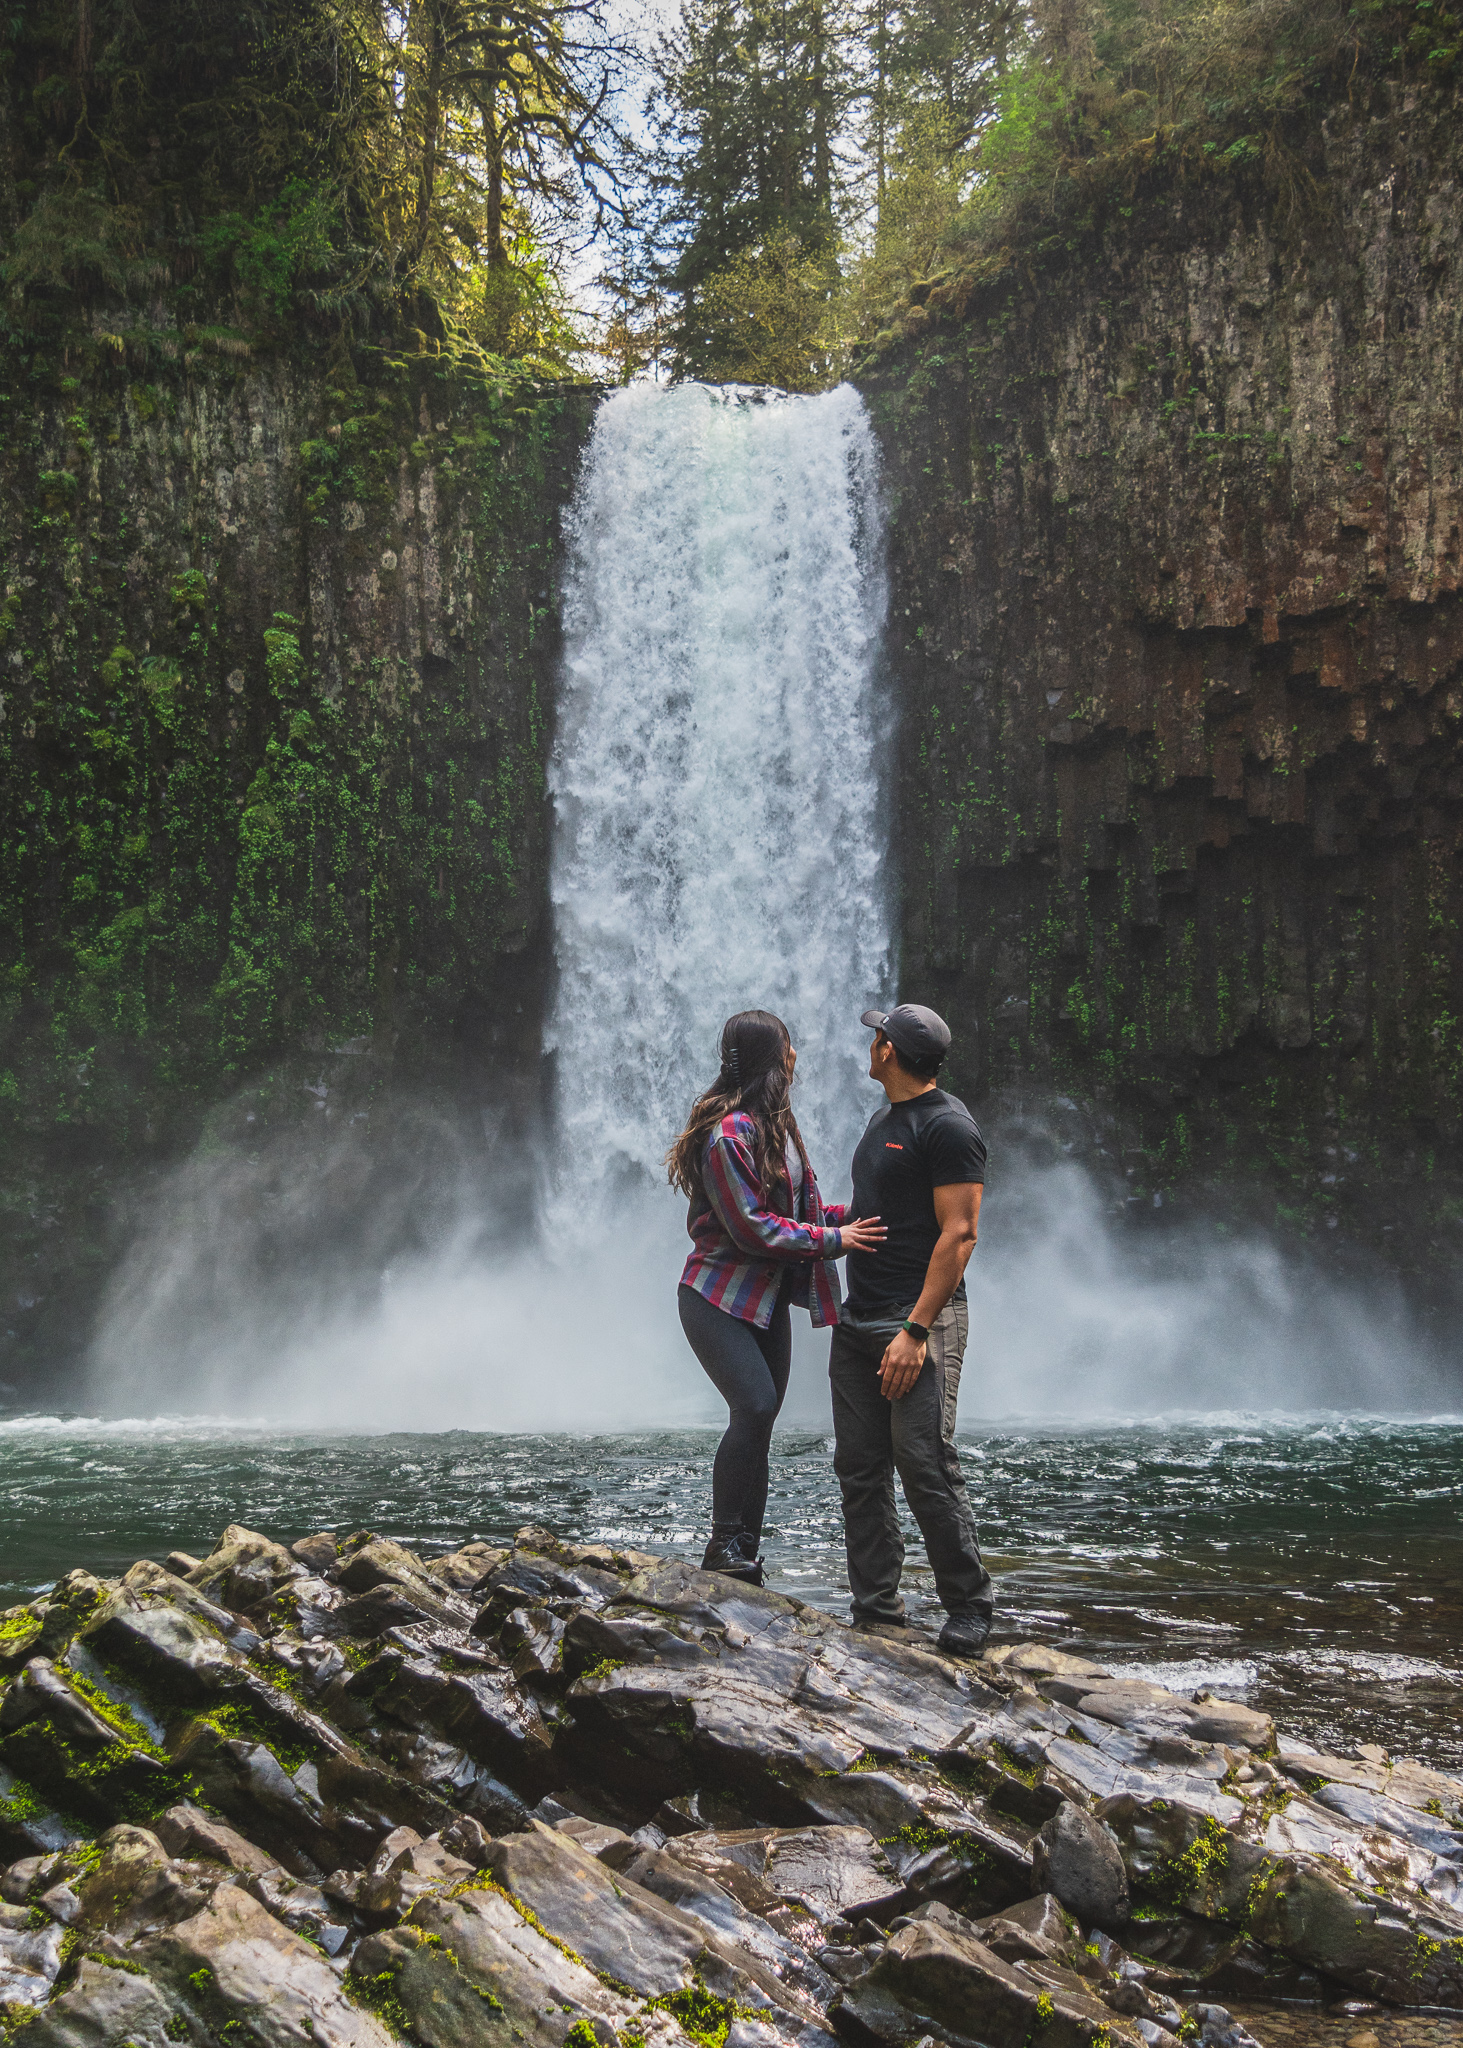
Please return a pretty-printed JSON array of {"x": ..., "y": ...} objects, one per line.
[{"x": 764, "y": 1240}]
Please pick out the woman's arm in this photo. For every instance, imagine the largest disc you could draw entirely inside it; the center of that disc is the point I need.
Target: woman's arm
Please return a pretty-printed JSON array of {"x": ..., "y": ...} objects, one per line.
[
  {"x": 855, "y": 1233},
  {"x": 730, "y": 1176}
]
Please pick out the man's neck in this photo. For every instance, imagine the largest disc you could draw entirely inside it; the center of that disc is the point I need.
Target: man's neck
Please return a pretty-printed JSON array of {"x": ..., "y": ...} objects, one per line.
[{"x": 905, "y": 1087}]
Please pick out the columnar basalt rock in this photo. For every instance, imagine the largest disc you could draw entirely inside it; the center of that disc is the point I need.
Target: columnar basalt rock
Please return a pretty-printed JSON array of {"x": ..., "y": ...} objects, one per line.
[
  {"x": 277, "y": 650},
  {"x": 1178, "y": 646},
  {"x": 750, "y": 1826}
]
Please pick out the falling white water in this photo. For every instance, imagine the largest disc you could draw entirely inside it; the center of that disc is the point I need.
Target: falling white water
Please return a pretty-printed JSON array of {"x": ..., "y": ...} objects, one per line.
[{"x": 719, "y": 771}]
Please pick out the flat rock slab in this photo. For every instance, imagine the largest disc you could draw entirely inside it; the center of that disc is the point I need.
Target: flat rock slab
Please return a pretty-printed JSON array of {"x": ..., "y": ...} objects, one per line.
[
  {"x": 470, "y": 1968},
  {"x": 1410, "y": 1784},
  {"x": 918, "y": 1818},
  {"x": 235, "y": 1962},
  {"x": 936, "y": 1979},
  {"x": 1235, "y": 1725},
  {"x": 626, "y": 1935},
  {"x": 189, "y": 1831},
  {"x": 699, "y": 1890},
  {"x": 1034, "y": 1660},
  {"x": 1101, "y": 1777},
  {"x": 835, "y": 1872},
  {"x": 619, "y": 1930}
]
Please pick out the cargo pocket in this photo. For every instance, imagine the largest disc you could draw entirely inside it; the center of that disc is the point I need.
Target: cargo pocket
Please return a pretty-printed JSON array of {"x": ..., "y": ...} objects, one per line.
[{"x": 947, "y": 1340}]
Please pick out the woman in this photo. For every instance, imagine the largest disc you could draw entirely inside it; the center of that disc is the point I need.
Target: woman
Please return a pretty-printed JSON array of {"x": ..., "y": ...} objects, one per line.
[{"x": 761, "y": 1237}]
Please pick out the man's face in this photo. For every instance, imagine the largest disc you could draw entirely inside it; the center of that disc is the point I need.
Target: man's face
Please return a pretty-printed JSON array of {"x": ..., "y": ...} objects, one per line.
[{"x": 881, "y": 1052}]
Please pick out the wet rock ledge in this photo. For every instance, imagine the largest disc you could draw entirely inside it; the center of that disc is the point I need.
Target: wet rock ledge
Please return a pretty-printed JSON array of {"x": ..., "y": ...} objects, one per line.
[{"x": 339, "y": 1795}]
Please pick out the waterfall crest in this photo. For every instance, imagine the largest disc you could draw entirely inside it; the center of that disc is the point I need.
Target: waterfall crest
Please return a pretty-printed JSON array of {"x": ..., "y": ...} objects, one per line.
[{"x": 719, "y": 771}]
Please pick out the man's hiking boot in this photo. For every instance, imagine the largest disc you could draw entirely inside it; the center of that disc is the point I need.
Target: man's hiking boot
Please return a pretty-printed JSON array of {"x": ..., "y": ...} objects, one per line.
[
  {"x": 964, "y": 1635},
  {"x": 728, "y": 1558}
]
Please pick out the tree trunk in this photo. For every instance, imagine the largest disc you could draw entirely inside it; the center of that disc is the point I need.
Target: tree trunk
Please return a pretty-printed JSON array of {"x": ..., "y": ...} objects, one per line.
[
  {"x": 493, "y": 150},
  {"x": 428, "y": 12},
  {"x": 881, "y": 111},
  {"x": 822, "y": 125}
]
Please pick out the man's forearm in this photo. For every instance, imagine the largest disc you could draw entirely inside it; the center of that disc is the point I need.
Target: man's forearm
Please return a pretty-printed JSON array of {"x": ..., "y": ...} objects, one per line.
[{"x": 943, "y": 1274}]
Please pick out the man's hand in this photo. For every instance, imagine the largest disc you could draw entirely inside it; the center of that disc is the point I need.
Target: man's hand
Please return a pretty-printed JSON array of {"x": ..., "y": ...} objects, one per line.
[{"x": 901, "y": 1365}]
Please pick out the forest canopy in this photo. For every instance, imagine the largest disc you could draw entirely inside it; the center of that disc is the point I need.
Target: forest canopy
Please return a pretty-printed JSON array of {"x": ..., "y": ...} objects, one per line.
[{"x": 742, "y": 189}]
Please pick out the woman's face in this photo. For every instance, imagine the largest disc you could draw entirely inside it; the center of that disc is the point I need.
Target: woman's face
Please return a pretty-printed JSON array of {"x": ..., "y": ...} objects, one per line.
[{"x": 792, "y": 1060}]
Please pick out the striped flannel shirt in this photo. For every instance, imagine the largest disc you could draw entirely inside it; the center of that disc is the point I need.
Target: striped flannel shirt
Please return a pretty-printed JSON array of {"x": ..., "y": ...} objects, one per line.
[{"x": 741, "y": 1248}]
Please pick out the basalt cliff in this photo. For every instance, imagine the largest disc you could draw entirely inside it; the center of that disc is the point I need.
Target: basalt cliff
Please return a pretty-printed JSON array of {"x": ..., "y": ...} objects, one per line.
[{"x": 1178, "y": 639}]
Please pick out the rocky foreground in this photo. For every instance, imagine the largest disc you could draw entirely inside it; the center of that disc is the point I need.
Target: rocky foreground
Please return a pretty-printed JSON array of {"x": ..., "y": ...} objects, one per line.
[{"x": 337, "y": 1795}]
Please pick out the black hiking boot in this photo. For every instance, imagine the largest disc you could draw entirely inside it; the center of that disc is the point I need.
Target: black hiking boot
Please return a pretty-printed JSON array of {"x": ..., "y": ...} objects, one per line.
[
  {"x": 964, "y": 1635},
  {"x": 725, "y": 1555}
]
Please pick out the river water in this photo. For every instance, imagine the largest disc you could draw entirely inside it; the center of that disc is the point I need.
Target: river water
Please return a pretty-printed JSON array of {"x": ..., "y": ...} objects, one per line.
[{"x": 1311, "y": 1566}]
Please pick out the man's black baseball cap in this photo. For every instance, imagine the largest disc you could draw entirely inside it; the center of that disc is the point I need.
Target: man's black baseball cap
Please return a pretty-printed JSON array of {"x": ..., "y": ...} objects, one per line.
[{"x": 913, "y": 1029}]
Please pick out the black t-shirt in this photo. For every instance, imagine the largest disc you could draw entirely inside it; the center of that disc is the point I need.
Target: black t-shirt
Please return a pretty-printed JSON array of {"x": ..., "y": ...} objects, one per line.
[{"x": 909, "y": 1149}]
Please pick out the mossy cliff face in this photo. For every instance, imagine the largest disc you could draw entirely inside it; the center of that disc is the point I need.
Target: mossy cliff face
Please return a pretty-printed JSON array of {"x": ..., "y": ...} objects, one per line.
[
  {"x": 1179, "y": 650},
  {"x": 277, "y": 688}
]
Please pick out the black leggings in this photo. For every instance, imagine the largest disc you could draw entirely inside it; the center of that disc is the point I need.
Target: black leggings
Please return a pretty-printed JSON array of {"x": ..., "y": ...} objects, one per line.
[{"x": 749, "y": 1368}]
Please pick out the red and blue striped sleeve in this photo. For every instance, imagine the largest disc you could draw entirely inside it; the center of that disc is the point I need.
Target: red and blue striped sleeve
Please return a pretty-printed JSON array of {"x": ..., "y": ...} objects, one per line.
[{"x": 730, "y": 1176}]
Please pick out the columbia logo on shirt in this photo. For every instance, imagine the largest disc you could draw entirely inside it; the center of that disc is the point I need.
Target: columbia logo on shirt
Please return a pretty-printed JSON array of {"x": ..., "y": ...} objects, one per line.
[{"x": 892, "y": 1148}]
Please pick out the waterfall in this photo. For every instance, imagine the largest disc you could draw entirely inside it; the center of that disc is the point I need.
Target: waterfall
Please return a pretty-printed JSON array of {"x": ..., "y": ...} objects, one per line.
[{"x": 720, "y": 770}]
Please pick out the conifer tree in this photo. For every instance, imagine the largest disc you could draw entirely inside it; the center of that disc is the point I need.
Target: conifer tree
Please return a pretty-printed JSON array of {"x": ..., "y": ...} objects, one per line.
[
  {"x": 752, "y": 101},
  {"x": 930, "y": 76}
]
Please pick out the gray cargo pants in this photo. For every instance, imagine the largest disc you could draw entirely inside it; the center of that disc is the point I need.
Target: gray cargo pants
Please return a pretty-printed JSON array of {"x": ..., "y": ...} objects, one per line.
[{"x": 915, "y": 1435}]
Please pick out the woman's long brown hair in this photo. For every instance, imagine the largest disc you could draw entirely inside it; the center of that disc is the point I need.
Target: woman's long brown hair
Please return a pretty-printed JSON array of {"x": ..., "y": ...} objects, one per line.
[{"x": 753, "y": 1078}]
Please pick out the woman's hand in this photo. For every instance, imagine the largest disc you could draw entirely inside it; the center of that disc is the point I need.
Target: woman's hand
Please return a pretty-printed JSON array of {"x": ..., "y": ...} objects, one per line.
[{"x": 864, "y": 1234}]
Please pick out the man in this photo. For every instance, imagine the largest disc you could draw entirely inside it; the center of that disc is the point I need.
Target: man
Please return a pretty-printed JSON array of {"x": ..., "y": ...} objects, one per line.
[{"x": 896, "y": 1354}]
